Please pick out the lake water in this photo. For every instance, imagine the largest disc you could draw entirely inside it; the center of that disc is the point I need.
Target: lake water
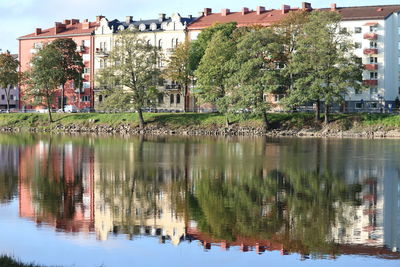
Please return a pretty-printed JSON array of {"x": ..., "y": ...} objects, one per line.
[{"x": 199, "y": 201}]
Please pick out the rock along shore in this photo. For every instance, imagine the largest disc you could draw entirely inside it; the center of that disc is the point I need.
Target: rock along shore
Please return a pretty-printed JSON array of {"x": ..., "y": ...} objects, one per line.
[{"x": 126, "y": 129}]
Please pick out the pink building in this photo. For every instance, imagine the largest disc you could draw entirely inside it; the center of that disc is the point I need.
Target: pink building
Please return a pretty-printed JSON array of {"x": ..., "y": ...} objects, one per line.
[{"x": 83, "y": 34}]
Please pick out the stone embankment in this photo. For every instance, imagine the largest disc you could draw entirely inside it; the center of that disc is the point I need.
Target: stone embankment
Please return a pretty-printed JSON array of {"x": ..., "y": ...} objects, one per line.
[{"x": 126, "y": 129}]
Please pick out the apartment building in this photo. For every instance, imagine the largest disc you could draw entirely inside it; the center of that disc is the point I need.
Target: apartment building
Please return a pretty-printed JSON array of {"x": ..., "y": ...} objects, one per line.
[
  {"x": 82, "y": 32},
  {"x": 14, "y": 93},
  {"x": 375, "y": 31},
  {"x": 162, "y": 32}
]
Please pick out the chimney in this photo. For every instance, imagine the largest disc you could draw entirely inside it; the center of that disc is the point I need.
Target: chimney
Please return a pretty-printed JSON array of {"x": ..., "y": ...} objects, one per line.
[
  {"x": 161, "y": 17},
  {"x": 245, "y": 10},
  {"x": 225, "y": 12},
  {"x": 59, "y": 27},
  {"x": 260, "y": 9},
  {"x": 98, "y": 18},
  {"x": 333, "y": 7},
  {"x": 128, "y": 19},
  {"x": 74, "y": 21},
  {"x": 38, "y": 31},
  {"x": 207, "y": 11},
  {"x": 285, "y": 9},
  {"x": 67, "y": 21},
  {"x": 190, "y": 16},
  {"x": 306, "y": 6},
  {"x": 85, "y": 24}
]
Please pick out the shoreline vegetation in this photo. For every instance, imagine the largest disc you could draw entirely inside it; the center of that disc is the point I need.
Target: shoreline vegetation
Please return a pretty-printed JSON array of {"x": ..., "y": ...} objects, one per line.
[
  {"x": 7, "y": 261},
  {"x": 282, "y": 124}
]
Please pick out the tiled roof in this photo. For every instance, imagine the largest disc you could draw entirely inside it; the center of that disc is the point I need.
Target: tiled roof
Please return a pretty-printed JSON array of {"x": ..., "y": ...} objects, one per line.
[
  {"x": 70, "y": 29},
  {"x": 271, "y": 16}
]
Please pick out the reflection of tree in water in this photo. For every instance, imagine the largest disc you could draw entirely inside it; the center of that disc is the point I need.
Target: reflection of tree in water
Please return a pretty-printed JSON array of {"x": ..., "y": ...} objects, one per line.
[{"x": 297, "y": 209}]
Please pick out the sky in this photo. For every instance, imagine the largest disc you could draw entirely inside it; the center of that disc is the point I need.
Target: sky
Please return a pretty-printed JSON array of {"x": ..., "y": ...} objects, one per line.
[{"x": 21, "y": 17}]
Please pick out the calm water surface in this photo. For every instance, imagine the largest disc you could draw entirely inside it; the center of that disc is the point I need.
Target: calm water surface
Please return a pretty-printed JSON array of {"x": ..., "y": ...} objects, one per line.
[{"x": 151, "y": 201}]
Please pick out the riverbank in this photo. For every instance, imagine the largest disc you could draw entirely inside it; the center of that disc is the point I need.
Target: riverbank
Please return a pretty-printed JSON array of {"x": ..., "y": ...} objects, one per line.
[
  {"x": 282, "y": 124},
  {"x": 6, "y": 261}
]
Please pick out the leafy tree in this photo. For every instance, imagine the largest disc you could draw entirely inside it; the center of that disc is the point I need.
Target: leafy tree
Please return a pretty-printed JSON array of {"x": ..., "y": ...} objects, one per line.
[
  {"x": 256, "y": 70},
  {"x": 9, "y": 75},
  {"x": 72, "y": 65},
  {"x": 290, "y": 28},
  {"x": 131, "y": 74},
  {"x": 213, "y": 72},
  {"x": 199, "y": 46},
  {"x": 178, "y": 69},
  {"x": 44, "y": 77},
  {"x": 323, "y": 64}
]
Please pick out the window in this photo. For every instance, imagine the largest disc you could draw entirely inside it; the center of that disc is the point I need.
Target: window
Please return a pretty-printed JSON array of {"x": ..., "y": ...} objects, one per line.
[
  {"x": 160, "y": 98},
  {"x": 357, "y": 45},
  {"x": 86, "y": 85},
  {"x": 359, "y": 105},
  {"x": 373, "y": 91},
  {"x": 85, "y": 98},
  {"x": 357, "y": 30},
  {"x": 100, "y": 98},
  {"x": 11, "y": 97},
  {"x": 373, "y": 75},
  {"x": 373, "y": 28},
  {"x": 373, "y": 105},
  {"x": 373, "y": 44},
  {"x": 86, "y": 70},
  {"x": 3, "y": 97},
  {"x": 38, "y": 45},
  {"x": 373, "y": 60},
  {"x": 178, "y": 98},
  {"x": 171, "y": 99}
]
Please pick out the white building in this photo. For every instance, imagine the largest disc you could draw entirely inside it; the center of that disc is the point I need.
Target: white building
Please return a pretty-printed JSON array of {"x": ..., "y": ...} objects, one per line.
[{"x": 163, "y": 32}]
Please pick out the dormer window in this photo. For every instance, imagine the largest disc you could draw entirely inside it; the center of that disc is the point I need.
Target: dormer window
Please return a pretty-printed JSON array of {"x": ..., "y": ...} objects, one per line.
[
  {"x": 142, "y": 27},
  {"x": 121, "y": 28},
  {"x": 132, "y": 27},
  {"x": 153, "y": 27}
]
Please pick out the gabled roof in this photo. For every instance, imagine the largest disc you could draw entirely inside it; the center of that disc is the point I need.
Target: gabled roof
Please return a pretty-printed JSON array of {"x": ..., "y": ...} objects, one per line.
[
  {"x": 68, "y": 29},
  {"x": 272, "y": 16}
]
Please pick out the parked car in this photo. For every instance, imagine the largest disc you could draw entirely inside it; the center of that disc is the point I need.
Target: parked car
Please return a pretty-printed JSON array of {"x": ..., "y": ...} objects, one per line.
[{"x": 68, "y": 109}]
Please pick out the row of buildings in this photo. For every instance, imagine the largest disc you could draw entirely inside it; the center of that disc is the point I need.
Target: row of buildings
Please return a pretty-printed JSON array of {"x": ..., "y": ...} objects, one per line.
[{"x": 375, "y": 31}]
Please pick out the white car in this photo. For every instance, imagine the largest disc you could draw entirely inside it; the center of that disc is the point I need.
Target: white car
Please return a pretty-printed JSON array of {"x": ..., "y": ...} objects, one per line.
[{"x": 68, "y": 109}]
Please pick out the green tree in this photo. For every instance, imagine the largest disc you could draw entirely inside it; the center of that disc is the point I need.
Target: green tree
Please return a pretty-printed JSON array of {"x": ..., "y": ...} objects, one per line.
[
  {"x": 256, "y": 71},
  {"x": 323, "y": 64},
  {"x": 44, "y": 77},
  {"x": 199, "y": 46},
  {"x": 9, "y": 75},
  {"x": 131, "y": 74},
  {"x": 178, "y": 69},
  {"x": 213, "y": 72},
  {"x": 71, "y": 65}
]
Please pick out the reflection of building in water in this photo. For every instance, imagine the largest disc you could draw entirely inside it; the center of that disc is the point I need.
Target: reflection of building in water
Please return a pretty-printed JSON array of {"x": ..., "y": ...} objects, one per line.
[
  {"x": 376, "y": 222},
  {"x": 55, "y": 186},
  {"x": 133, "y": 199}
]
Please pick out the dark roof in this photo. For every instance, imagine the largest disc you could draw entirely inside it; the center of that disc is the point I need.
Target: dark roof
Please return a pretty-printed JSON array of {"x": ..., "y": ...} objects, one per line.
[{"x": 367, "y": 12}]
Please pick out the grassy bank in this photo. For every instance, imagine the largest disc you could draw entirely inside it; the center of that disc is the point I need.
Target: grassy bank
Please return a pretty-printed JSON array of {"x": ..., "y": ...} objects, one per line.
[
  {"x": 6, "y": 261},
  {"x": 195, "y": 120}
]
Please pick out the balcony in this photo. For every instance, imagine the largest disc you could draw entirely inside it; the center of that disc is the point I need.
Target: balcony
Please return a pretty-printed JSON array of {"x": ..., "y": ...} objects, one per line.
[
  {"x": 100, "y": 52},
  {"x": 370, "y": 51},
  {"x": 172, "y": 87},
  {"x": 370, "y": 82},
  {"x": 371, "y": 66},
  {"x": 371, "y": 36}
]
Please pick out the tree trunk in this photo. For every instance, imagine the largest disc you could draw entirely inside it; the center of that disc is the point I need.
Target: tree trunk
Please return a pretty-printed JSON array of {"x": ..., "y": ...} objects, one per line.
[
  {"x": 318, "y": 111},
  {"x": 141, "y": 120},
  {"x": 49, "y": 109},
  {"x": 265, "y": 121},
  {"x": 186, "y": 99},
  {"x": 62, "y": 97},
  {"x": 226, "y": 121},
  {"x": 326, "y": 113},
  {"x": 7, "y": 90}
]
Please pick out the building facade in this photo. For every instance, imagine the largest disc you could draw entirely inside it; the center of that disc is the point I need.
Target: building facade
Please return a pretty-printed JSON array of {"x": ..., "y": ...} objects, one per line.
[
  {"x": 163, "y": 32},
  {"x": 375, "y": 31},
  {"x": 82, "y": 34}
]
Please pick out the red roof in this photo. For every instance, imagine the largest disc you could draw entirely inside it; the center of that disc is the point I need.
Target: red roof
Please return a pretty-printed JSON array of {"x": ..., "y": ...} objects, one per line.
[
  {"x": 64, "y": 29},
  {"x": 271, "y": 16}
]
